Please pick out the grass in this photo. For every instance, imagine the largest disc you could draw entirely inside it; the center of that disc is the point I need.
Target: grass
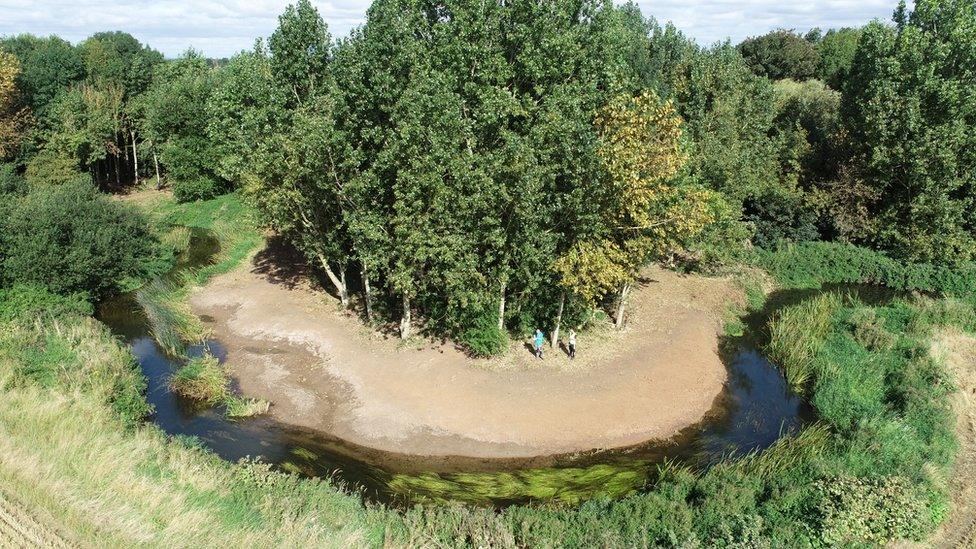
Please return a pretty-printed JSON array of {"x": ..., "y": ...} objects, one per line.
[
  {"x": 74, "y": 451},
  {"x": 234, "y": 225},
  {"x": 202, "y": 379},
  {"x": 874, "y": 468},
  {"x": 797, "y": 337},
  {"x": 172, "y": 323}
]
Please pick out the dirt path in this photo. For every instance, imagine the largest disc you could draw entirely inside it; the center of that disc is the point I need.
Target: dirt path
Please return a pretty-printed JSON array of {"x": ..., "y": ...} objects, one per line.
[
  {"x": 958, "y": 350},
  {"x": 323, "y": 370}
]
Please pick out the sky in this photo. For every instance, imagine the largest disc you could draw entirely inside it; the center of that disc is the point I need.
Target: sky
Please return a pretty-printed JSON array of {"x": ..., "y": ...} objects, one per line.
[{"x": 220, "y": 28}]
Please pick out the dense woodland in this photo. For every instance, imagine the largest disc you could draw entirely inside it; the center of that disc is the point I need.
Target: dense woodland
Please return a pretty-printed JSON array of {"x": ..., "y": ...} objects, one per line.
[{"x": 504, "y": 165}]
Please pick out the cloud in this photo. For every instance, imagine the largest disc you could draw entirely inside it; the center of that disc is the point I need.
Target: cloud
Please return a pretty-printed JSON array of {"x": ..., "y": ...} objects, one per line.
[{"x": 220, "y": 28}]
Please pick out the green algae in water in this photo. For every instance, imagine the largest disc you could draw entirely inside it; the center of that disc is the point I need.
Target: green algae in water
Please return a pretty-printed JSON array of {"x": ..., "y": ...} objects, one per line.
[{"x": 566, "y": 486}]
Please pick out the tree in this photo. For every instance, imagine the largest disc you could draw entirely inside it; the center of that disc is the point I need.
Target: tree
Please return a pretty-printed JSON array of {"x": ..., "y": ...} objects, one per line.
[
  {"x": 836, "y": 50},
  {"x": 647, "y": 213},
  {"x": 243, "y": 108},
  {"x": 71, "y": 239},
  {"x": 909, "y": 108},
  {"x": 781, "y": 54},
  {"x": 175, "y": 121},
  {"x": 47, "y": 66},
  {"x": 13, "y": 117},
  {"x": 79, "y": 131},
  {"x": 300, "y": 51},
  {"x": 730, "y": 114}
]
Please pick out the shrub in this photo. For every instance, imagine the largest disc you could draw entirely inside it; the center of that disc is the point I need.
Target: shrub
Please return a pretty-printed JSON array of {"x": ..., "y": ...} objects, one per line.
[
  {"x": 198, "y": 188},
  {"x": 25, "y": 301},
  {"x": 484, "y": 339},
  {"x": 857, "y": 511},
  {"x": 812, "y": 264},
  {"x": 11, "y": 182},
  {"x": 72, "y": 240},
  {"x": 780, "y": 216},
  {"x": 50, "y": 168}
]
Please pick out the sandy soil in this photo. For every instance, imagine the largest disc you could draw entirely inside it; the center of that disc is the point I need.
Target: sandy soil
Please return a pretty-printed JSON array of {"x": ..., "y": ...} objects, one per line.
[{"x": 289, "y": 343}]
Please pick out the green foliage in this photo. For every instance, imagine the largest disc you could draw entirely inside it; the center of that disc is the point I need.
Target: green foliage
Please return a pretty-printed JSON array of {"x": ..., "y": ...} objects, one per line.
[
  {"x": 837, "y": 49},
  {"x": 871, "y": 512},
  {"x": 912, "y": 124},
  {"x": 11, "y": 182},
  {"x": 779, "y": 216},
  {"x": 174, "y": 118},
  {"x": 51, "y": 167},
  {"x": 300, "y": 50},
  {"x": 813, "y": 264},
  {"x": 24, "y": 302},
  {"x": 484, "y": 338},
  {"x": 48, "y": 66},
  {"x": 202, "y": 379},
  {"x": 198, "y": 188},
  {"x": 71, "y": 239},
  {"x": 781, "y": 54}
]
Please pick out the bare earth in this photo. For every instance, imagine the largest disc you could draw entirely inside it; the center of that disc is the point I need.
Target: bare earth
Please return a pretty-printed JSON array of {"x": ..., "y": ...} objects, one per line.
[{"x": 320, "y": 368}]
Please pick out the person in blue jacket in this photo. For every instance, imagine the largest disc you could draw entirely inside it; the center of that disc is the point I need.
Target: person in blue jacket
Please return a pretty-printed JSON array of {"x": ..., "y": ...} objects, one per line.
[{"x": 539, "y": 340}]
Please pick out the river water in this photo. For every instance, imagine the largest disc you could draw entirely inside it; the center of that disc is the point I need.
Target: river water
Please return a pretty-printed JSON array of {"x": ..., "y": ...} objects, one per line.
[{"x": 755, "y": 409}]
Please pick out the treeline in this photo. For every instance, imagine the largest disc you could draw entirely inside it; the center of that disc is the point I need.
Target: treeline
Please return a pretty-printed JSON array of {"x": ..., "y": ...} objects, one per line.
[{"x": 511, "y": 165}]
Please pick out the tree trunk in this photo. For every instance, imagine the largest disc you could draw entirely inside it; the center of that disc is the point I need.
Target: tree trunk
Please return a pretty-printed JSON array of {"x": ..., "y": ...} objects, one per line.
[
  {"x": 501, "y": 308},
  {"x": 619, "y": 317},
  {"x": 340, "y": 285},
  {"x": 135, "y": 159},
  {"x": 344, "y": 290},
  {"x": 405, "y": 318},
  {"x": 367, "y": 293},
  {"x": 559, "y": 320},
  {"x": 159, "y": 183},
  {"x": 118, "y": 183}
]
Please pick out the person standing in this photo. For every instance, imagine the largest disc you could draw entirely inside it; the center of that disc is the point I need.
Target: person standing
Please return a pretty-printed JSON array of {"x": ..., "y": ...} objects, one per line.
[
  {"x": 539, "y": 339},
  {"x": 572, "y": 344}
]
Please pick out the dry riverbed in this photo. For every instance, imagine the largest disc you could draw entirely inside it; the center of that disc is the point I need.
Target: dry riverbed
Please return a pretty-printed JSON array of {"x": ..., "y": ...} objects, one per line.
[{"x": 289, "y": 343}]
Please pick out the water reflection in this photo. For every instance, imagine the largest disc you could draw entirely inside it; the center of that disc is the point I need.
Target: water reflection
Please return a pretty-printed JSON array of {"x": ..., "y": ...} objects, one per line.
[{"x": 755, "y": 410}]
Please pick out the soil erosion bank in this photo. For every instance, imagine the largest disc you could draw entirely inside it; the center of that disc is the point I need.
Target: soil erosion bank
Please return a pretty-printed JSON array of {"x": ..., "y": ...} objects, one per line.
[{"x": 321, "y": 369}]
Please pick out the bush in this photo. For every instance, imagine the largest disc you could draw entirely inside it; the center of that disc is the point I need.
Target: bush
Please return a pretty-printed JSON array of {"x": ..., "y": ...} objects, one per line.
[
  {"x": 198, "y": 188},
  {"x": 72, "y": 240},
  {"x": 858, "y": 512},
  {"x": 812, "y": 264},
  {"x": 484, "y": 339},
  {"x": 25, "y": 301},
  {"x": 779, "y": 216},
  {"x": 11, "y": 182}
]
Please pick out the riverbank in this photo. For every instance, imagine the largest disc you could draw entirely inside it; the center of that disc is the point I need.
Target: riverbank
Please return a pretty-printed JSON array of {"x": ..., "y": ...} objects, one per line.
[{"x": 288, "y": 342}]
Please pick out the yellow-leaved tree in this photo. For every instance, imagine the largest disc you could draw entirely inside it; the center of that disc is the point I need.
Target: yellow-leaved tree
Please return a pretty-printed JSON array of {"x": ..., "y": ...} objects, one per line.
[
  {"x": 648, "y": 212},
  {"x": 12, "y": 117}
]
